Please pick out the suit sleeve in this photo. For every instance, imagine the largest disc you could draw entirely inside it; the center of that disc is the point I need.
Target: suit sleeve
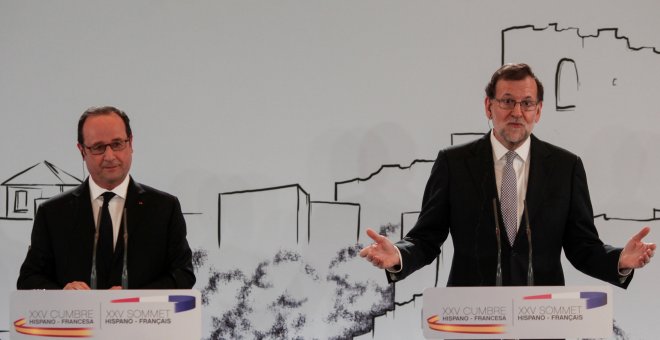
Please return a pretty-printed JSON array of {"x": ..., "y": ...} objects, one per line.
[
  {"x": 582, "y": 246},
  {"x": 180, "y": 274},
  {"x": 422, "y": 244},
  {"x": 38, "y": 269}
]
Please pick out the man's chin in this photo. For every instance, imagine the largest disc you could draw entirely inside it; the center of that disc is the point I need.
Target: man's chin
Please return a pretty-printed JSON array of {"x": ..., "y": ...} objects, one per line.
[
  {"x": 113, "y": 179},
  {"x": 517, "y": 136}
]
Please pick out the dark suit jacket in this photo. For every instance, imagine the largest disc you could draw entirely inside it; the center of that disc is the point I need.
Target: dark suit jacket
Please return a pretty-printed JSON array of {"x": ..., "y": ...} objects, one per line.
[
  {"x": 458, "y": 200},
  {"x": 63, "y": 234}
]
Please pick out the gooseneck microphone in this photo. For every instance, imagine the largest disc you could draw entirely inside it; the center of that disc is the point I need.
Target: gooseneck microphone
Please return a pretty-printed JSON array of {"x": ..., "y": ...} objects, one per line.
[
  {"x": 124, "y": 271},
  {"x": 498, "y": 274},
  {"x": 93, "y": 279},
  {"x": 530, "y": 267}
]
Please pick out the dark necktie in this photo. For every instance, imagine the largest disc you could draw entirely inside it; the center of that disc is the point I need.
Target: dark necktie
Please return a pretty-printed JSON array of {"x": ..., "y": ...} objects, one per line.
[
  {"x": 105, "y": 250},
  {"x": 509, "y": 197}
]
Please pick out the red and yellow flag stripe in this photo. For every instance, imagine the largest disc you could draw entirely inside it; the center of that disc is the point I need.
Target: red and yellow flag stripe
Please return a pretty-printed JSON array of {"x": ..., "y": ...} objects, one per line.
[
  {"x": 20, "y": 327},
  {"x": 434, "y": 324}
]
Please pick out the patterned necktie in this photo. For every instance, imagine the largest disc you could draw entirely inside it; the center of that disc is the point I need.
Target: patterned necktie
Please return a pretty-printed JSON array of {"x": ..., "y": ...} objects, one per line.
[
  {"x": 509, "y": 198},
  {"x": 105, "y": 245}
]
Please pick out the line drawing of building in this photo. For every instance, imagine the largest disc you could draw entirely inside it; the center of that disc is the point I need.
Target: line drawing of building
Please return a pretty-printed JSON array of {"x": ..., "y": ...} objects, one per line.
[
  {"x": 296, "y": 198},
  {"x": 570, "y": 51},
  {"x": 26, "y": 190},
  {"x": 325, "y": 236}
]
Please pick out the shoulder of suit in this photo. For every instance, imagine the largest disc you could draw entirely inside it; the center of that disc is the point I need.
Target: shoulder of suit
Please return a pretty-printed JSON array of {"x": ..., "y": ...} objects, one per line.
[
  {"x": 63, "y": 199},
  {"x": 551, "y": 149},
  {"x": 467, "y": 149},
  {"x": 151, "y": 191}
]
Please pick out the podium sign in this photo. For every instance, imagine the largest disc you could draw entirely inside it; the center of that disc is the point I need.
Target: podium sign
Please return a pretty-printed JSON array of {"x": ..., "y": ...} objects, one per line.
[
  {"x": 518, "y": 312},
  {"x": 106, "y": 314}
]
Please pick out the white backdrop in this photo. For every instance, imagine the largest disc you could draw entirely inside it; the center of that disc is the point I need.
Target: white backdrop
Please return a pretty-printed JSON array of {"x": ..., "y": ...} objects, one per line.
[{"x": 261, "y": 116}]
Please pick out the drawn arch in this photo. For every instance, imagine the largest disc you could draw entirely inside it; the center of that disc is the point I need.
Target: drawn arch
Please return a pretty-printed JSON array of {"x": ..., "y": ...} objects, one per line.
[{"x": 567, "y": 84}]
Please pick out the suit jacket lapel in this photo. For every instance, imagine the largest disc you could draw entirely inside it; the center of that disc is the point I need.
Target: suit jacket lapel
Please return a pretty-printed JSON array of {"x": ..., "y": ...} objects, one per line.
[
  {"x": 482, "y": 168},
  {"x": 83, "y": 217},
  {"x": 79, "y": 228},
  {"x": 539, "y": 169},
  {"x": 133, "y": 207},
  {"x": 482, "y": 171}
]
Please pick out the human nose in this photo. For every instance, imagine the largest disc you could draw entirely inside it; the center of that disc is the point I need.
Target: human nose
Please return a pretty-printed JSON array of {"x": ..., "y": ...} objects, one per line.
[
  {"x": 517, "y": 109},
  {"x": 108, "y": 153}
]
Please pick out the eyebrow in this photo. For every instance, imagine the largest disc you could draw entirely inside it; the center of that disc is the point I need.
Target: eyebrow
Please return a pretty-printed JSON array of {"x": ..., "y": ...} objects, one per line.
[
  {"x": 112, "y": 141},
  {"x": 510, "y": 95}
]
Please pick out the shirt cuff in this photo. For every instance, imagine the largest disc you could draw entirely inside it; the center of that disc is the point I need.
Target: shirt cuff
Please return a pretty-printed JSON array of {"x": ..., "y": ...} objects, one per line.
[{"x": 623, "y": 273}]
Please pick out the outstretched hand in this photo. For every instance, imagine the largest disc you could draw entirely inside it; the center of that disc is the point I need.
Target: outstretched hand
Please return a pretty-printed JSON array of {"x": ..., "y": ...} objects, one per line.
[
  {"x": 637, "y": 254},
  {"x": 382, "y": 253}
]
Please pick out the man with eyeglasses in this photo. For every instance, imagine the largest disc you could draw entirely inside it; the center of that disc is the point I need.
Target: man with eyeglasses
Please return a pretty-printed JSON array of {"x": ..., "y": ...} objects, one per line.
[
  {"x": 511, "y": 194},
  {"x": 110, "y": 232}
]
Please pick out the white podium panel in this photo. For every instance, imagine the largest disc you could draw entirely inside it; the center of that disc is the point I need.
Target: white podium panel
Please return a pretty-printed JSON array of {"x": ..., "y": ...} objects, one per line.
[
  {"x": 518, "y": 312},
  {"x": 107, "y": 314}
]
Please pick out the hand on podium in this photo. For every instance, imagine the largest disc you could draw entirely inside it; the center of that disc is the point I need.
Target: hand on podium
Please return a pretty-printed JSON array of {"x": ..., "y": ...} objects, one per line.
[
  {"x": 76, "y": 285},
  {"x": 79, "y": 285},
  {"x": 382, "y": 253}
]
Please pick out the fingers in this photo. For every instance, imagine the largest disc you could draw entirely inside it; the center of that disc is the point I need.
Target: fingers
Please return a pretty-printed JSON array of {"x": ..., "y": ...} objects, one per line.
[
  {"x": 370, "y": 254},
  {"x": 376, "y": 238},
  {"x": 648, "y": 248},
  {"x": 376, "y": 261},
  {"x": 382, "y": 253},
  {"x": 641, "y": 234},
  {"x": 365, "y": 251},
  {"x": 76, "y": 285},
  {"x": 374, "y": 235},
  {"x": 645, "y": 257},
  {"x": 650, "y": 251}
]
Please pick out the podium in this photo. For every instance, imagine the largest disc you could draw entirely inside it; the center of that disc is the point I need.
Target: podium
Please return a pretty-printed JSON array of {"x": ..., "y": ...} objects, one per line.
[
  {"x": 106, "y": 314},
  {"x": 517, "y": 312}
]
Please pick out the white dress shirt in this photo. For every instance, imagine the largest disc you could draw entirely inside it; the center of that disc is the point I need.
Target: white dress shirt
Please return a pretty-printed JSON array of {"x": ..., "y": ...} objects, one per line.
[
  {"x": 520, "y": 166},
  {"x": 115, "y": 206}
]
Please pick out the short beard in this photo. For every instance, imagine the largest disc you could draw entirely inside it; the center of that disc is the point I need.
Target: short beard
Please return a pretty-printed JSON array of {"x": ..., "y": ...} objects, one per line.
[{"x": 509, "y": 142}]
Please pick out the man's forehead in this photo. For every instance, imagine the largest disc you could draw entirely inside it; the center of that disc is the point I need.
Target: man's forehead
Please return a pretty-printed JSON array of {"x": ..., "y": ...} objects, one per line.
[
  {"x": 104, "y": 126},
  {"x": 525, "y": 87}
]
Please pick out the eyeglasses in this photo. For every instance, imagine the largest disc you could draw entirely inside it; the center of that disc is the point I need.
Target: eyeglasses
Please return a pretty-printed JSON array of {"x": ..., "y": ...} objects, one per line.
[
  {"x": 510, "y": 104},
  {"x": 99, "y": 149}
]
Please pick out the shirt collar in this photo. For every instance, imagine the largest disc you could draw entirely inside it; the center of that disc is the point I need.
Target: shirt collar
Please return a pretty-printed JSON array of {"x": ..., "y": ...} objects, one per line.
[
  {"x": 95, "y": 190},
  {"x": 500, "y": 150}
]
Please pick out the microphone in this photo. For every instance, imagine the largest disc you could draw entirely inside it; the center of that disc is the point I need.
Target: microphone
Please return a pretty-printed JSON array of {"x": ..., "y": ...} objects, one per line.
[
  {"x": 530, "y": 268},
  {"x": 93, "y": 278},
  {"x": 124, "y": 271},
  {"x": 498, "y": 274}
]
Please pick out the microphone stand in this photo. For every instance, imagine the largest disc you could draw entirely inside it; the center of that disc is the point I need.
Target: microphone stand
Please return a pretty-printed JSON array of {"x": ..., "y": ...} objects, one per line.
[
  {"x": 124, "y": 272},
  {"x": 498, "y": 275},
  {"x": 93, "y": 278},
  {"x": 530, "y": 268}
]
